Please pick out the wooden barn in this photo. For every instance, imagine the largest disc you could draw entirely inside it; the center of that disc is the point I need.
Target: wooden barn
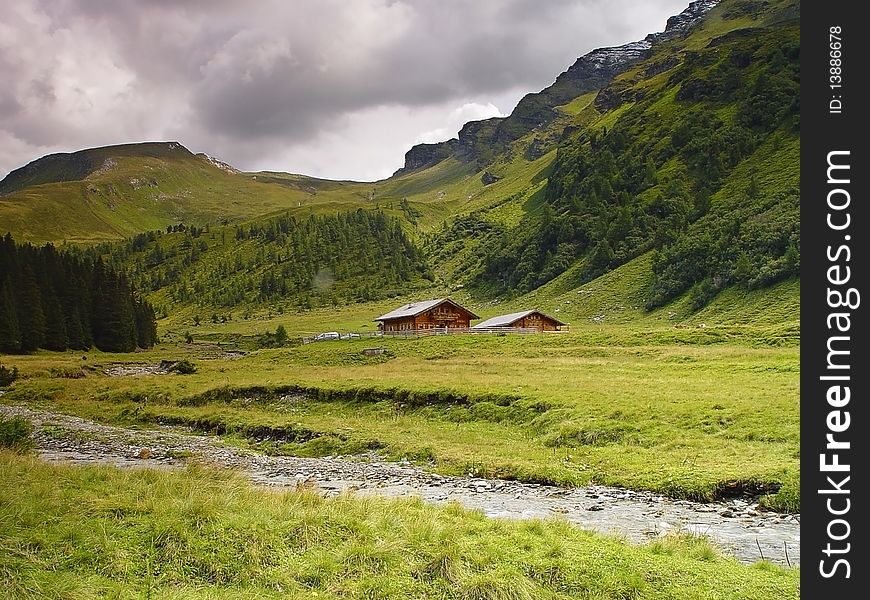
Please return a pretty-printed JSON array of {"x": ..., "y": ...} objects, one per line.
[
  {"x": 527, "y": 319},
  {"x": 430, "y": 314}
]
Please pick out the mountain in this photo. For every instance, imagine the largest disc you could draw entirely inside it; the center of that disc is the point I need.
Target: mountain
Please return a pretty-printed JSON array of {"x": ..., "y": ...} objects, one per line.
[
  {"x": 671, "y": 161},
  {"x": 688, "y": 159},
  {"x": 117, "y": 191},
  {"x": 77, "y": 166}
]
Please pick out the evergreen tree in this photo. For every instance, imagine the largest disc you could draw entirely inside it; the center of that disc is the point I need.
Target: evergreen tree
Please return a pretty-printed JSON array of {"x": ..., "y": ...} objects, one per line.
[
  {"x": 55, "y": 325},
  {"x": 31, "y": 319},
  {"x": 76, "y": 337},
  {"x": 59, "y": 300},
  {"x": 146, "y": 324},
  {"x": 76, "y": 303},
  {"x": 10, "y": 332},
  {"x": 112, "y": 317}
]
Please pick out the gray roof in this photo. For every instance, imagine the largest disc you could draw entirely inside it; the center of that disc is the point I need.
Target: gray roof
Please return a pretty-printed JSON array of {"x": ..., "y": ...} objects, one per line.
[
  {"x": 506, "y": 320},
  {"x": 412, "y": 309}
]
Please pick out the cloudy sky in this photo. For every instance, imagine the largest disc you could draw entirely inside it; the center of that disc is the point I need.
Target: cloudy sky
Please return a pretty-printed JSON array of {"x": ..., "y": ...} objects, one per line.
[{"x": 331, "y": 88}]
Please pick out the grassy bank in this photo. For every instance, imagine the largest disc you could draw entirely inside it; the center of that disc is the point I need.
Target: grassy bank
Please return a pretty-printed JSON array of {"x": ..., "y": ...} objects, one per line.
[
  {"x": 690, "y": 420},
  {"x": 69, "y": 532}
]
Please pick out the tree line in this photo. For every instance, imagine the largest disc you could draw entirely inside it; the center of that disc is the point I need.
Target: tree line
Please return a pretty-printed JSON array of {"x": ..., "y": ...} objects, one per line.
[
  {"x": 59, "y": 300},
  {"x": 321, "y": 259}
]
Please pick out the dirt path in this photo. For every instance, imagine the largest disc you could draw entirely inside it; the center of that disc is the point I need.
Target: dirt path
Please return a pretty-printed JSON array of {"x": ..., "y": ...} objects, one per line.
[{"x": 737, "y": 526}]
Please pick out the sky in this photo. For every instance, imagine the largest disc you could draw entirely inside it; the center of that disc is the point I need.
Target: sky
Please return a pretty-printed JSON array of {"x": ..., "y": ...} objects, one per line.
[{"x": 330, "y": 88}]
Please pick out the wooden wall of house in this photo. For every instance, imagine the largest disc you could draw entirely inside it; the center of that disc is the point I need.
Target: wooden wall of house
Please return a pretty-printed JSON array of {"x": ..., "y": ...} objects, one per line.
[
  {"x": 402, "y": 324},
  {"x": 441, "y": 316},
  {"x": 536, "y": 321},
  {"x": 445, "y": 314}
]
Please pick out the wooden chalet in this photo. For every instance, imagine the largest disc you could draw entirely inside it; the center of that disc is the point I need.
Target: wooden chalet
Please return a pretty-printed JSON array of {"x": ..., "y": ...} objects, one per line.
[
  {"x": 441, "y": 313},
  {"x": 527, "y": 319}
]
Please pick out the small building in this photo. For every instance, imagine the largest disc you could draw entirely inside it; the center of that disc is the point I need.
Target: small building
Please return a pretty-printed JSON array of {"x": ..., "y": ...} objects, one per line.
[
  {"x": 527, "y": 319},
  {"x": 440, "y": 313}
]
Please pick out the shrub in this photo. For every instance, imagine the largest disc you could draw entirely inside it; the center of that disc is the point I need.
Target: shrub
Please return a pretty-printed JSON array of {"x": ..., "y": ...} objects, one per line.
[
  {"x": 183, "y": 367},
  {"x": 7, "y": 376},
  {"x": 16, "y": 434}
]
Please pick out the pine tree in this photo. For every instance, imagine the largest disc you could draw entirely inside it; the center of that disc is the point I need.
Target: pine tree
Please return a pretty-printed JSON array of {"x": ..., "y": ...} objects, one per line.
[
  {"x": 75, "y": 330},
  {"x": 55, "y": 324},
  {"x": 76, "y": 300},
  {"x": 10, "y": 332},
  {"x": 31, "y": 319},
  {"x": 146, "y": 324},
  {"x": 112, "y": 318}
]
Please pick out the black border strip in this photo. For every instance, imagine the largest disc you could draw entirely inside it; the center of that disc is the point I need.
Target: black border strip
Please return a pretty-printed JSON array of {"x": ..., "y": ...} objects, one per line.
[{"x": 834, "y": 265}]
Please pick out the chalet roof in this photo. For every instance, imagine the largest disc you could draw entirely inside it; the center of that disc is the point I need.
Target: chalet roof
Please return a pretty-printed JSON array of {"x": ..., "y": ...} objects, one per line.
[
  {"x": 412, "y": 309},
  {"x": 507, "y": 320}
]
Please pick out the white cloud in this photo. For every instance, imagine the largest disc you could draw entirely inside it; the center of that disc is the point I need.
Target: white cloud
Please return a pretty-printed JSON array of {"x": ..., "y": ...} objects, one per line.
[{"x": 470, "y": 111}]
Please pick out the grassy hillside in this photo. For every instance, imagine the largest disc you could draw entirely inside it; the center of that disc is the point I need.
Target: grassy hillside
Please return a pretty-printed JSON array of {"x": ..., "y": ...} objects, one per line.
[
  {"x": 141, "y": 187},
  {"x": 76, "y": 166},
  {"x": 131, "y": 192}
]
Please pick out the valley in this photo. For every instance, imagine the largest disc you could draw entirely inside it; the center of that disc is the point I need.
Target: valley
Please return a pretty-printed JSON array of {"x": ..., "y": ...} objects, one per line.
[{"x": 648, "y": 199}]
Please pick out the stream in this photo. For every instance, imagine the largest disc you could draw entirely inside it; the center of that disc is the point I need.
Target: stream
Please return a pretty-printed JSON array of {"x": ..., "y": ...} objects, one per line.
[{"x": 738, "y": 527}]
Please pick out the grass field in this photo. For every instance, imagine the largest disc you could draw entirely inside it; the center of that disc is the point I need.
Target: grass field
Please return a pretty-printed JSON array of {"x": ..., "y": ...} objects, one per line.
[
  {"x": 69, "y": 532},
  {"x": 691, "y": 412}
]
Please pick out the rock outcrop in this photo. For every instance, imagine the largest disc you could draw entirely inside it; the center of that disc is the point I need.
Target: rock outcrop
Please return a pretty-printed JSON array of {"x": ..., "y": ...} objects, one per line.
[{"x": 488, "y": 178}]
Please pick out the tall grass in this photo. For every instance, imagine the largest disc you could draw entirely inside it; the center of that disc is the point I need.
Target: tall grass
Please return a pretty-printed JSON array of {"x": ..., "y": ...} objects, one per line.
[
  {"x": 72, "y": 532},
  {"x": 16, "y": 434}
]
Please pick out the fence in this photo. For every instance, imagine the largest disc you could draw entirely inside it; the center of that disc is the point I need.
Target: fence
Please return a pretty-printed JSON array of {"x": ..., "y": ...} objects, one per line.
[{"x": 416, "y": 333}]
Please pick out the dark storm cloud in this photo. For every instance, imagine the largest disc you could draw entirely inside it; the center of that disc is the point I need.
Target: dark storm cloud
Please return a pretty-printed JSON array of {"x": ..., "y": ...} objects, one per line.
[{"x": 255, "y": 82}]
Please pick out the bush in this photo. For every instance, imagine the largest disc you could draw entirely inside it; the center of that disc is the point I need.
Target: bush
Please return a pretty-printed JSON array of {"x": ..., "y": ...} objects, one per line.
[
  {"x": 7, "y": 376},
  {"x": 16, "y": 434},
  {"x": 183, "y": 367},
  {"x": 273, "y": 340}
]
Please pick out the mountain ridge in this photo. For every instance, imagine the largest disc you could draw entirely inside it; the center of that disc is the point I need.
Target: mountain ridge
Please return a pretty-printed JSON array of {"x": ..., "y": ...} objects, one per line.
[
  {"x": 590, "y": 72},
  {"x": 78, "y": 165}
]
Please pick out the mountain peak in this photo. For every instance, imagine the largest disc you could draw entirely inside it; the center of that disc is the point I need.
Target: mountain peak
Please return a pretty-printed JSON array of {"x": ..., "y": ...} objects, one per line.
[
  {"x": 75, "y": 166},
  {"x": 681, "y": 23}
]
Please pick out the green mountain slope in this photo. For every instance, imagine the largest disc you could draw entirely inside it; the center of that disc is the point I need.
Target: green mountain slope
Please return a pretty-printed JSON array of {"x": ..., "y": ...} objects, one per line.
[
  {"x": 117, "y": 191},
  {"x": 325, "y": 259},
  {"x": 692, "y": 154},
  {"x": 76, "y": 166}
]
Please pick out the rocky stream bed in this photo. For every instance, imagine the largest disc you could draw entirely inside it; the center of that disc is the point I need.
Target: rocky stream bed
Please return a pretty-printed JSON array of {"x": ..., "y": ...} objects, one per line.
[{"x": 736, "y": 526}]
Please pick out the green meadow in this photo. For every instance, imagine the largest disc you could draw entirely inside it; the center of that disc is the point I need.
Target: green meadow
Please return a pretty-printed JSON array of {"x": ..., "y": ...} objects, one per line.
[{"x": 689, "y": 411}]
